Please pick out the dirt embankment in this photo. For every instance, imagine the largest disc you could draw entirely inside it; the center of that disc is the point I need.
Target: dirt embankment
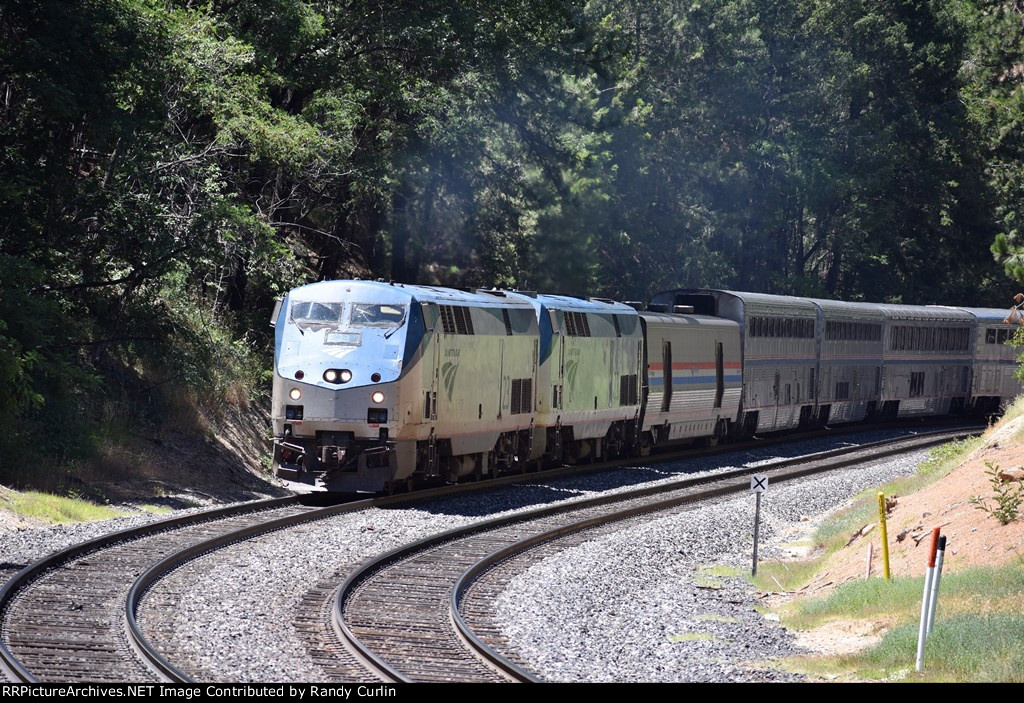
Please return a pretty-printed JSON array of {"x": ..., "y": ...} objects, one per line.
[
  {"x": 973, "y": 537},
  {"x": 191, "y": 460}
]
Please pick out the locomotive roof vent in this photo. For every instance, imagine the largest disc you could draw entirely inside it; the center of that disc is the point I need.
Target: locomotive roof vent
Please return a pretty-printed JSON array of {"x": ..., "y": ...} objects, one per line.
[
  {"x": 655, "y": 307},
  {"x": 682, "y": 309},
  {"x": 527, "y": 293},
  {"x": 635, "y": 304}
]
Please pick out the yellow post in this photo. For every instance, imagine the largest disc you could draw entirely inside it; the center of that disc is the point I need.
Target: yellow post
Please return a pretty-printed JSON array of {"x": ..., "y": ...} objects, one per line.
[{"x": 885, "y": 535}]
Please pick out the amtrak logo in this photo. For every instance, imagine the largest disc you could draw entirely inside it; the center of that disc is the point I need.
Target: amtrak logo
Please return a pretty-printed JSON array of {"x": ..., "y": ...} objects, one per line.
[
  {"x": 571, "y": 367},
  {"x": 448, "y": 372}
]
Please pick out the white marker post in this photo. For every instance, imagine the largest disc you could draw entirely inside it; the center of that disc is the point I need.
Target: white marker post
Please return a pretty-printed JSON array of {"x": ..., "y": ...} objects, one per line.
[
  {"x": 922, "y": 631},
  {"x": 758, "y": 485},
  {"x": 933, "y": 597}
]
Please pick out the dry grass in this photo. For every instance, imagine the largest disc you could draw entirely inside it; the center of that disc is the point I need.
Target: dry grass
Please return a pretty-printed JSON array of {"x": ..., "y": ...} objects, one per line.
[{"x": 54, "y": 509}]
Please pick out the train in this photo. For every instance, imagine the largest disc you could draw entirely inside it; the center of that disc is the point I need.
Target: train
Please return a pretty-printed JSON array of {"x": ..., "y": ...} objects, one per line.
[{"x": 380, "y": 386}]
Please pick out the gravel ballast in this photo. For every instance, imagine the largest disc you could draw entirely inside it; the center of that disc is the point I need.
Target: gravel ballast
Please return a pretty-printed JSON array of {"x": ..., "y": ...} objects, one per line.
[
  {"x": 21, "y": 547},
  {"x": 638, "y": 605},
  {"x": 237, "y": 606}
]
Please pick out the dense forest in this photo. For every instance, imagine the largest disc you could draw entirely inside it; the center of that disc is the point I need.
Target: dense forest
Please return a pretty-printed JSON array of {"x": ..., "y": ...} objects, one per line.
[{"x": 168, "y": 168}]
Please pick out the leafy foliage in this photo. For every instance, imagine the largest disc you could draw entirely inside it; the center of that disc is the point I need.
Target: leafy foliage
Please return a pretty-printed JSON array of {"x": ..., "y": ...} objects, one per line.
[
  {"x": 1007, "y": 497},
  {"x": 169, "y": 168}
]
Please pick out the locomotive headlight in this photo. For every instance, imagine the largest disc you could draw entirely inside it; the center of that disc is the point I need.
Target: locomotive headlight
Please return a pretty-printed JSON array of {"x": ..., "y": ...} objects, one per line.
[
  {"x": 346, "y": 375},
  {"x": 294, "y": 394},
  {"x": 330, "y": 375},
  {"x": 377, "y": 397}
]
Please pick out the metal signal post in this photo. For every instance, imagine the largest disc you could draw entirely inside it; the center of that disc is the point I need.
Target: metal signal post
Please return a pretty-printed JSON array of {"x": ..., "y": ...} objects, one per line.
[{"x": 758, "y": 484}]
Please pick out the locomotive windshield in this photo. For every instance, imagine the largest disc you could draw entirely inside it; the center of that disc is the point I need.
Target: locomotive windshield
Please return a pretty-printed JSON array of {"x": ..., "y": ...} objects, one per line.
[
  {"x": 377, "y": 315},
  {"x": 312, "y": 314}
]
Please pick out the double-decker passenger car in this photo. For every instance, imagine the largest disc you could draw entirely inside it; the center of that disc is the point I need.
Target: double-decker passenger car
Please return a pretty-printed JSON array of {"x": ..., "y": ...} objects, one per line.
[
  {"x": 926, "y": 362},
  {"x": 850, "y": 343},
  {"x": 994, "y": 371}
]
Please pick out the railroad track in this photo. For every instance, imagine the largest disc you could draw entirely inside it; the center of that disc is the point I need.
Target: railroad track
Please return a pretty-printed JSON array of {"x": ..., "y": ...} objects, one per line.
[
  {"x": 66, "y": 606},
  {"x": 422, "y": 613},
  {"x": 73, "y": 616}
]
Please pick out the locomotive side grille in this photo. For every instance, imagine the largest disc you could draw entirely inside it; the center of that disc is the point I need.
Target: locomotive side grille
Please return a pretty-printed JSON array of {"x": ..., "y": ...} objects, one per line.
[
  {"x": 456, "y": 319},
  {"x": 463, "y": 320},
  {"x": 522, "y": 396},
  {"x": 576, "y": 324},
  {"x": 447, "y": 319},
  {"x": 628, "y": 394}
]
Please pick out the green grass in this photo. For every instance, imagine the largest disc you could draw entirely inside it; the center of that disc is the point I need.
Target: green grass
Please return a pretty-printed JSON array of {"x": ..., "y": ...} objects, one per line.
[
  {"x": 707, "y": 582},
  {"x": 691, "y": 637},
  {"x": 979, "y": 628},
  {"x": 867, "y": 598},
  {"x": 984, "y": 589},
  {"x": 835, "y": 531},
  {"x": 155, "y": 509},
  {"x": 716, "y": 618},
  {"x": 968, "y": 647},
  {"x": 786, "y": 575},
  {"x": 978, "y": 635},
  {"x": 1013, "y": 411},
  {"x": 720, "y": 571},
  {"x": 59, "y": 509}
]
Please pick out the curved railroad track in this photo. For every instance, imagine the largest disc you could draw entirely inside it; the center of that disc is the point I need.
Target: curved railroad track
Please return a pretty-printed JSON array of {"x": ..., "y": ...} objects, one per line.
[
  {"x": 73, "y": 616},
  {"x": 61, "y": 620},
  {"x": 422, "y": 613}
]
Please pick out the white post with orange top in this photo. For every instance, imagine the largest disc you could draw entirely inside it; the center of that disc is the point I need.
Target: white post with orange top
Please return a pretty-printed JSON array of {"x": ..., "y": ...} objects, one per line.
[
  {"x": 933, "y": 596},
  {"x": 922, "y": 631}
]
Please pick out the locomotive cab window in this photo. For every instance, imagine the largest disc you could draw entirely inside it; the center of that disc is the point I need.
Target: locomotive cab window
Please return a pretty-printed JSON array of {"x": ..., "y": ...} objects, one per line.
[
  {"x": 312, "y": 314},
  {"x": 377, "y": 315}
]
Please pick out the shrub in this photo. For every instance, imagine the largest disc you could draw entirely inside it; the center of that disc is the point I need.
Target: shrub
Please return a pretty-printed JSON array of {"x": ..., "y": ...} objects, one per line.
[{"x": 1007, "y": 497}]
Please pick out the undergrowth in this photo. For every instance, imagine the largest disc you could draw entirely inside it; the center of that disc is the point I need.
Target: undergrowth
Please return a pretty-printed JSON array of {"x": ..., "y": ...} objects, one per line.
[
  {"x": 53, "y": 509},
  {"x": 978, "y": 634}
]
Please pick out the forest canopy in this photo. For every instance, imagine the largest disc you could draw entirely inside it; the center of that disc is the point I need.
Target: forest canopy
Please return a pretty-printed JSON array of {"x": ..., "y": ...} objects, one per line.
[{"x": 169, "y": 168}]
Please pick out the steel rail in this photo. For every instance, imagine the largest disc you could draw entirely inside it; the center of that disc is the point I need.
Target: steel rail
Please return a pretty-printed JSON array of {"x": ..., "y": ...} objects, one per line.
[
  {"x": 16, "y": 671},
  {"x": 372, "y": 566},
  {"x": 485, "y": 564},
  {"x": 11, "y": 665}
]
